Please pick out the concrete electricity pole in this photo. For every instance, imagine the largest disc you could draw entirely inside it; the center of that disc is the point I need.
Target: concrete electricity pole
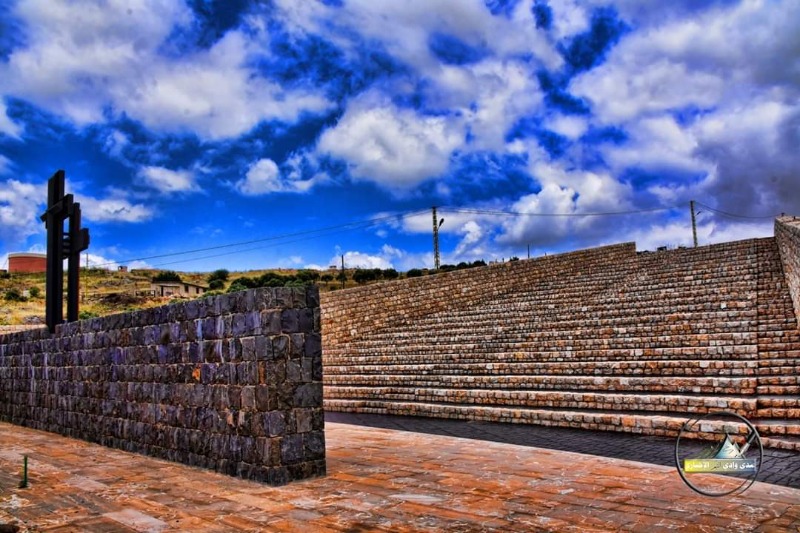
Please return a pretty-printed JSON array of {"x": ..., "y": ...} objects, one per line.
[
  {"x": 436, "y": 225},
  {"x": 694, "y": 223}
]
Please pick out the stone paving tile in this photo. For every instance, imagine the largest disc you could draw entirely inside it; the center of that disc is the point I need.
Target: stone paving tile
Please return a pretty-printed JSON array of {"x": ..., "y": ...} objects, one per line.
[
  {"x": 780, "y": 467},
  {"x": 379, "y": 480}
]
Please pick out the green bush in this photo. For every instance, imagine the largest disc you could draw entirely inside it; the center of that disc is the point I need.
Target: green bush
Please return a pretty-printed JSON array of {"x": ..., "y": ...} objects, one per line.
[
  {"x": 166, "y": 275},
  {"x": 220, "y": 274},
  {"x": 86, "y": 315},
  {"x": 34, "y": 292},
  {"x": 13, "y": 295},
  {"x": 414, "y": 273},
  {"x": 216, "y": 284}
]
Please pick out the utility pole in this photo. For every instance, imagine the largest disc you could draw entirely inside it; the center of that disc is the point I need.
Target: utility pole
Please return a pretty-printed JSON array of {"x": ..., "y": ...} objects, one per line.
[
  {"x": 436, "y": 225},
  {"x": 694, "y": 223},
  {"x": 529, "y": 251},
  {"x": 344, "y": 276}
]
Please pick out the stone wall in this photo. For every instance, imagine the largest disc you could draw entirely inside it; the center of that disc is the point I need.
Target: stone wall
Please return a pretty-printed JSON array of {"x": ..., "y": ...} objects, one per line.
[
  {"x": 787, "y": 233},
  {"x": 231, "y": 383}
]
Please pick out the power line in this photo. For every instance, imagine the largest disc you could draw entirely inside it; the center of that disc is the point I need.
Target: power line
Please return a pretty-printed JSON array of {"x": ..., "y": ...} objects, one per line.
[
  {"x": 519, "y": 214},
  {"x": 307, "y": 234},
  {"x": 734, "y": 215}
]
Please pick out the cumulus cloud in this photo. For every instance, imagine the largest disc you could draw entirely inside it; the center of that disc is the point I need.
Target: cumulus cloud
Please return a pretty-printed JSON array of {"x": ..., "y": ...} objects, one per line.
[
  {"x": 264, "y": 177},
  {"x": 20, "y": 207},
  {"x": 83, "y": 59},
  {"x": 396, "y": 148},
  {"x": 8, "y": 126},
  {"x": 167, "y": 181},
  {"x": 755, "y": 157},
  {"x": 5, "y": 165},
  {"x": 114, "y": 210},
  {"x": 363, "y": 260}
]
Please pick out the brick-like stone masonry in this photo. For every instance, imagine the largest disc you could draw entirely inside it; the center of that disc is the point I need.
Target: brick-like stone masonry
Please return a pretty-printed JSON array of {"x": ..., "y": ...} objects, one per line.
[
  {"x": 787, "y": 234},
  {"x": 598, "y": 339},
  {"x": 231, "y": 383}
]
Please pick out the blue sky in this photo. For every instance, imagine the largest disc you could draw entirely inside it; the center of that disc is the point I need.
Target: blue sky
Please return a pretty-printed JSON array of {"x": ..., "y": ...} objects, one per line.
[{"x": 288, "y": 133}]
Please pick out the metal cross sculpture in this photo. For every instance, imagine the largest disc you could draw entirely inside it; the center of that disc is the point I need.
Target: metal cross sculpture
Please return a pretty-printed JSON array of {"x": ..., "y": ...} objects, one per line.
[{"x": 60, "y": 246}]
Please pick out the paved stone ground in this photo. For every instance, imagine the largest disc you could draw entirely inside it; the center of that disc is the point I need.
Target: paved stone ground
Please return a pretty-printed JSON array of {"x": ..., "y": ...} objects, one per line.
[
  {"x": 378, "y": 480},
  {"x": 779, "y": 467}
]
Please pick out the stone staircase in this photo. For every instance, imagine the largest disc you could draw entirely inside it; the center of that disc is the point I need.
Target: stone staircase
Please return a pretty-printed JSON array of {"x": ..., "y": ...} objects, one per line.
[
  {"x": 778, "y": 390},
  {"x": 612, "y": 341}
]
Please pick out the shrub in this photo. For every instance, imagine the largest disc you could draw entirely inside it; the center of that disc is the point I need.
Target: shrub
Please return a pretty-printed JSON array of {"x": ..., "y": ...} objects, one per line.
[
  {"x": 13, "y": 295},
  {"x": 390, "y": 273},
  {"x": 414, "y": 273},
  {"x": 308, "y": 276},
  {"x": 166, "y": 275},
  {"x": 86, "y": 315},
  {"x": 363, "y": 275},
  {"x": 219, "y": 274},
  {"x": 327, "y": 278},
  {"x": 216, "y": 284},
  {"x": 34, "y": 292}
]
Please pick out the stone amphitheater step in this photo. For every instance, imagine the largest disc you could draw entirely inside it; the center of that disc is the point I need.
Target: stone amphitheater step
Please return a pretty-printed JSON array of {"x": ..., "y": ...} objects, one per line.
[
  {"x": 476, "y": 353},
  {"x": 777, "y": 427},
  {"x": 580, "y": 368},
  {"x": 695, "y": 403},
  {"x": 702, "y": 385},
  {"x": 627, "y": 421}
]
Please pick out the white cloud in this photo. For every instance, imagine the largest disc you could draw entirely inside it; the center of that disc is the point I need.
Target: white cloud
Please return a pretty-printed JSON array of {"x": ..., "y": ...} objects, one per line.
[
  {"x": 624, "y": 89},
  {"x": 5, "y": 165},
  {"x": 264, "y": 177},
  {"x": 657, "y": 143},
  {"x": 404, "y": 27},
  {"x": 569, "y": 126},
  {"x": 115, "y": 143},
  {"x": 7, "y": 126},
  {"x": 116, "y": 210},
  {"x": 165, "y": 180},
  {"x": 725, "y": 54},
  {"x": 362, "y": 260},
  {"x": 396, "y": 148},
  {"x": 753, "y": 150},
  {"x": 84, "y": 59},
  {"x": 679, "y": 233},
  {"x": 20, "y": 206}
]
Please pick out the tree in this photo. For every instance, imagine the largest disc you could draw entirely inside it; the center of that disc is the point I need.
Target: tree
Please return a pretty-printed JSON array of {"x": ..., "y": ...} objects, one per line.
[
  {"x": 390, "y": 273},
  {"x": 414, "y": 273},
  {"x": 220, "y": 274},
  {"x": 327, "y": 278},
  {"x": 363, "y": 275},
  {"x": 308, "y": 276},
  {"x": 166, "y": 275},
  {"x": 216, "y": 284}
]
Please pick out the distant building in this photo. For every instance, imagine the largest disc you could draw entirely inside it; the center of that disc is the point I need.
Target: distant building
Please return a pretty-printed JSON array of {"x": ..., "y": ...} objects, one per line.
[
  {"x": 122, "y": 268},
  {"x": 27, "y": 262},
  {"x": 180, "y": 289}
]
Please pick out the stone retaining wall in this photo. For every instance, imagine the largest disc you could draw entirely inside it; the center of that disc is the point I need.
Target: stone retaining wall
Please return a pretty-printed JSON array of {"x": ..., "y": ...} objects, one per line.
[
  {"x": 231, "y": 383},
  {"x": 787, "y": 233}
]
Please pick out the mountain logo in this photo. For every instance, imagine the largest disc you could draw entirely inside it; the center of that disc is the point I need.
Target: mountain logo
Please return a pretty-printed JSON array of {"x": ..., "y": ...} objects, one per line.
[{"x": 718, "y": 454}]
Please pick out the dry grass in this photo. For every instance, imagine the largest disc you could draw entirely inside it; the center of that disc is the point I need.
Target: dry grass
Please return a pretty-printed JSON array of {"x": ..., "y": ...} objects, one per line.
[{"x": 106, "y": 292}]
